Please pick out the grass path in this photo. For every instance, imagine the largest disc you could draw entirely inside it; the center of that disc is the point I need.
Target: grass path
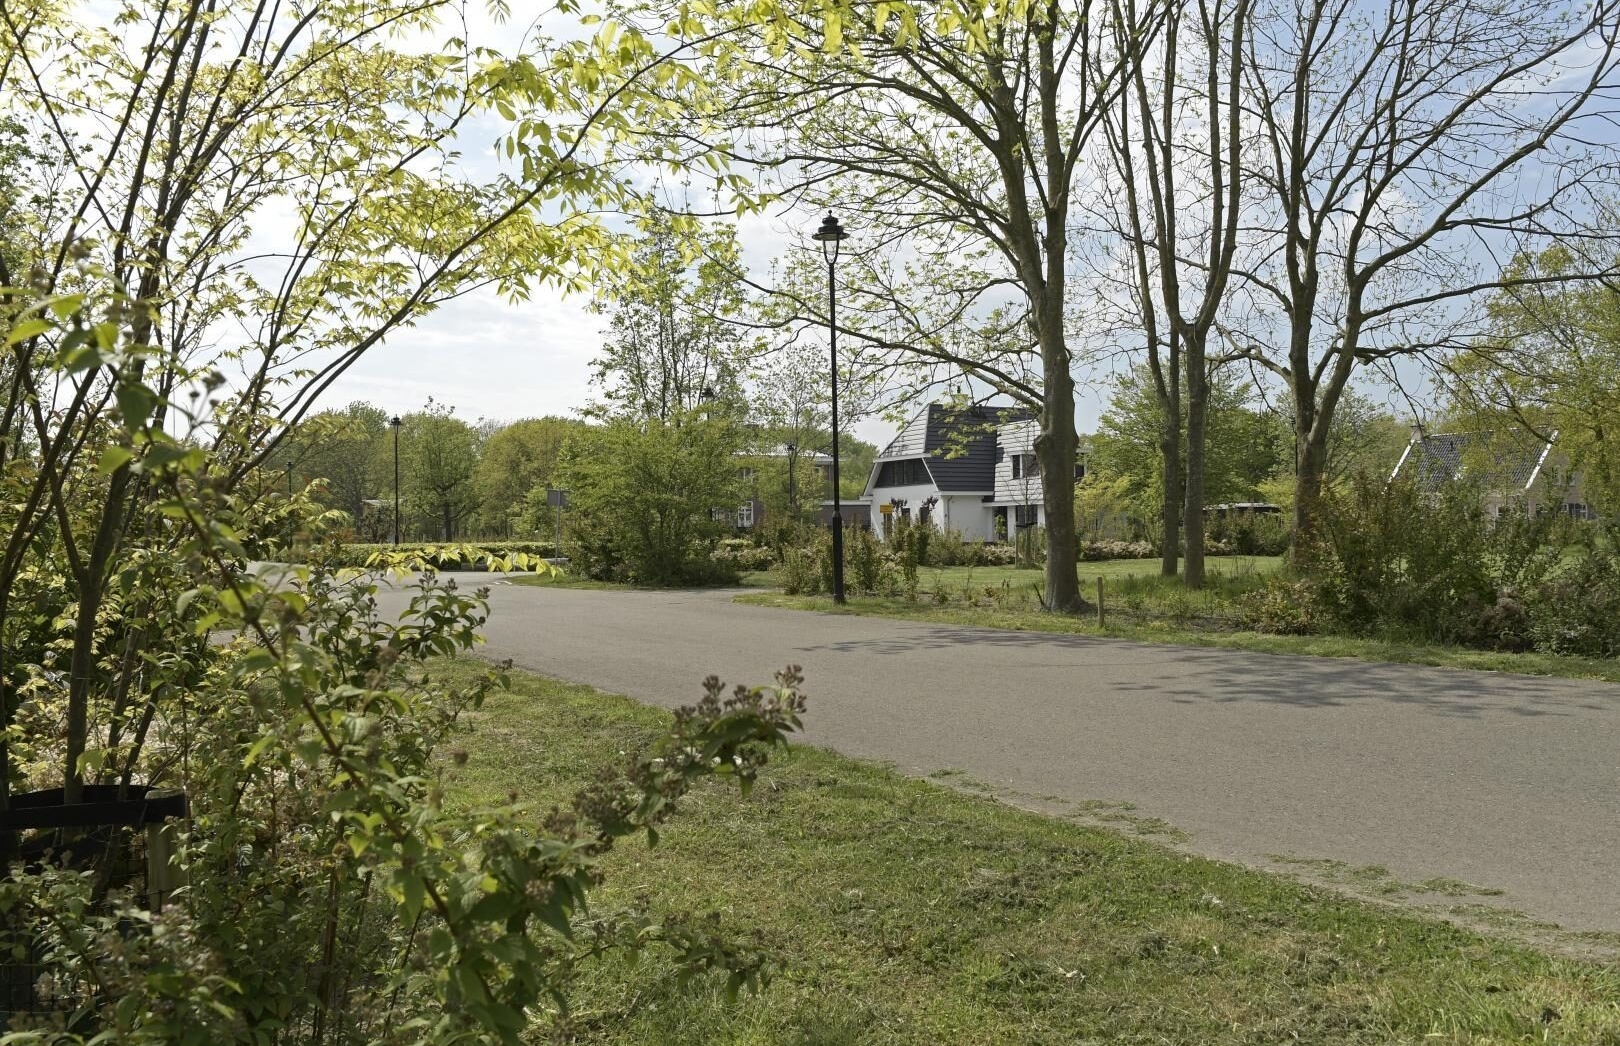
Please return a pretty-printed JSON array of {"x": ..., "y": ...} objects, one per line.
[{"x": 902, "y": 911}]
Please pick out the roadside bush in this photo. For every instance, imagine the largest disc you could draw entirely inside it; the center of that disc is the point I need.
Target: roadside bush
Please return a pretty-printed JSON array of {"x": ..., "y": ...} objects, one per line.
[
  {"x": 644, "y": 497},
  {"x": 800, "y": 572},
  {"x": 1578, "y": 611},
  {"x": 1284, "y": 606},
  {"x": 1093, "y": 551},
  {"x": 869, "y": 568},
  {"x": 1391, "y": 559},
  {"x": 442, "y": 557},
  {"x": 741, "y": 554}
]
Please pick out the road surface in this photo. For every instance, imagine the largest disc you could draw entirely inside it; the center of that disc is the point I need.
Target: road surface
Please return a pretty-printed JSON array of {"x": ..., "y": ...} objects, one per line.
[{"x": 1506, "y": 782}]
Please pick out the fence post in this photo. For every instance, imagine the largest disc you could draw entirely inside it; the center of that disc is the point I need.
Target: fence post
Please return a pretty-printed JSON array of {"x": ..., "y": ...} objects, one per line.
[{"x": 1101, "y": 620}]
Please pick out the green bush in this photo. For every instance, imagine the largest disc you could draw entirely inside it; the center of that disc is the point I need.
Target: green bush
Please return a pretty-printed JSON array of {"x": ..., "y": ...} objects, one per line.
[
  {"x": 440, "y": 556},
  {"x": 740, "y": 554},
  {"x": 646, "y": 496},
  {"x": 1578, "y": 611},
  {"x": 1282, "y": 606}
]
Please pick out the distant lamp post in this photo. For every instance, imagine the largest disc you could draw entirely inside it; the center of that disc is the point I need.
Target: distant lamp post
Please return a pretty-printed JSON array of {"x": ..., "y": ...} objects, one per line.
[
  {"x": 830, "y": 235},
  {"x": 289, "y": 477},
  {"x": 394, "y": 423}
]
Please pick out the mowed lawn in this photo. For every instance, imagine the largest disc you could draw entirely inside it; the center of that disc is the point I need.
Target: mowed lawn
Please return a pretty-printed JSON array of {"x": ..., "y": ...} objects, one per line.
[
  {"x": 1023, "y": 578},
  {"x": 901, "y": 911}
]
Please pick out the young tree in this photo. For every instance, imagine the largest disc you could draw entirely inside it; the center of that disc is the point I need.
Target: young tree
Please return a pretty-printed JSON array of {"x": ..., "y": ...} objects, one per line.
[
  {"x": 672, "y": 347},
  {"x": 1551, "y": 367},
  {"x": 438, "y": 459},
  {"x": 1178, "y": 143},
  {"x": 163, "y": 141},
  {"x": 1403, "y": 144}
]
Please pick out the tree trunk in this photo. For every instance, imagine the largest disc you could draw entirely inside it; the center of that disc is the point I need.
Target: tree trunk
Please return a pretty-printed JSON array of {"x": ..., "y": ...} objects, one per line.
[
  {"x": 1056, "y": 448},
  {"x": 1192, "y": 530},
  {"x": 1170, "y": 451},
  {"x": 1310, "y": 466}
]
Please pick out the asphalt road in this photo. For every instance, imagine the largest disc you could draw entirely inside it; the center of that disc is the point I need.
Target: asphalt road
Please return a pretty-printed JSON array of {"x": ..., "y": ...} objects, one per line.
[{"x": 1505, "y": 782}]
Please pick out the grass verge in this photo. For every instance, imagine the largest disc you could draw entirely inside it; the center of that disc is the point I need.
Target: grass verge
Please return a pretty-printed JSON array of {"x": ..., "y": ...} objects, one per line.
[
  {"x": 1031, "y": 620},
  {"x": 905, "y": 912},
  {"x": 562, "y": 579}
]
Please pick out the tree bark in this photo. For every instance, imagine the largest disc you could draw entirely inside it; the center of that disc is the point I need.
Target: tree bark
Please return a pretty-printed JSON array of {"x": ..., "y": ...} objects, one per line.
[
  {"x": 1056, "y": 448},
  {"x": 1192, "y": 529}
]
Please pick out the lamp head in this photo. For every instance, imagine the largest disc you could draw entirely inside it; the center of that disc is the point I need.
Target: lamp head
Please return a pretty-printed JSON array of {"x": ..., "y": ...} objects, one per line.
[
  {"x": 830, "y": 233},
  {"x": 394, "y": 421}
]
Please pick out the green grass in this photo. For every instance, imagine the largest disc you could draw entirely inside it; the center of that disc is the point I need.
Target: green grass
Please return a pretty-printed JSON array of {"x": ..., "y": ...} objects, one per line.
[
  {"x": 1231, "y": 568},
  {"x": 562, "y": 579},
  {"x": 904, "y": 912},
  {"x": 1024, "y": 617}
]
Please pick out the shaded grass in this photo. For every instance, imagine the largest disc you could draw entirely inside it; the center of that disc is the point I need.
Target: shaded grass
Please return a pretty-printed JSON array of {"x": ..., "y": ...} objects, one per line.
[
  {"x": 902, "y": 912},
  {"x": 1024, "y": 617}
]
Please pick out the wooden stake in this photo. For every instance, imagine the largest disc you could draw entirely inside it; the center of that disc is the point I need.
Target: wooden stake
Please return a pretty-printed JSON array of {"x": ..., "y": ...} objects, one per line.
[{"x": 1101, "y": 620}]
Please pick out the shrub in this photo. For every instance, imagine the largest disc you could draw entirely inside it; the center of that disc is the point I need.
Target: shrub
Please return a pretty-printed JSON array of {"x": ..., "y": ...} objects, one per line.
[
  {"x": 1578, "y": 611},
  {"x": 1093, "y": 551},
  {"x": 645, "y": 495},
  {"x": 799, "y": 571},
  {"x": 869, "y": 568},
  {"x": 743, "y": 555},
  {"x": 1283, "y": 606},
  {"x": 440, "y": 556},
  {"x": 1390, "y": 558}
]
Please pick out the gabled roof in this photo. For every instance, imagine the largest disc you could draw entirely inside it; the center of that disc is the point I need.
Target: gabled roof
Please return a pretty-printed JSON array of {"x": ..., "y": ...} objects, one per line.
[
  {"x": 959, "y": 444},
  {"x": 1431, "y": 461}
]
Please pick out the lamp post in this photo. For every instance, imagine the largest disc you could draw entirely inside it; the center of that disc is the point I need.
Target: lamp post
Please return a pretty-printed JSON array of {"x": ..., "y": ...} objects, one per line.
[
  {"x": 289, "y": 477},
  {"x": 830, "y": 235},
  {"x": 393, "y": 423}
]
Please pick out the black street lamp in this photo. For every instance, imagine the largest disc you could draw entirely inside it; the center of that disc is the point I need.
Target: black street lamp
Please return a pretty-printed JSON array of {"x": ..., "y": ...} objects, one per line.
[
  {"x": 830, "y": 235},
  {"x": 393, "y": 423},
  {"x": 289, "y": 477}
]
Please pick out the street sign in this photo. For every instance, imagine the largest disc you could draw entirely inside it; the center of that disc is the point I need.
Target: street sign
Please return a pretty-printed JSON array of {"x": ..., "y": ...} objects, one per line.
[
  {"x": 556, "y": 498},
  {"x": 887, "y": 510}
]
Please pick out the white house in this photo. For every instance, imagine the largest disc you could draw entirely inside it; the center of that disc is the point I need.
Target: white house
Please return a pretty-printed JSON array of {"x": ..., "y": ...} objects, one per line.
[
  {"x": 970, "y": 469},
  {"x": 1520, "y": 473}
]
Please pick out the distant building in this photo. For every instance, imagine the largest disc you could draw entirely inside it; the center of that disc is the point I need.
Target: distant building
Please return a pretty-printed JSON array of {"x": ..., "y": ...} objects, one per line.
[
  {"x": 1521, "y": 473},
  {"x": 970, "y": 469}
]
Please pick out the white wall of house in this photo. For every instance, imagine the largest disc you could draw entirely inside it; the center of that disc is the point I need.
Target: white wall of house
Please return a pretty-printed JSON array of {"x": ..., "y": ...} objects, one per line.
[
  {"x": 913, "y": 496},
  {"x": 970, "y": 514}
]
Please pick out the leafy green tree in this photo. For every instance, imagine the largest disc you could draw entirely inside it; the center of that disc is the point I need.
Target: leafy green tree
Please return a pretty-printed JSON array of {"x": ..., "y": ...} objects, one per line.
[
  {"x": 514, "y": 462},
  {"x": 1550, "y": 367},
  {"x": 438, "y": 460},
  {"x": 1246, "y": 447},
  {"x": 649, "y": 497},
  {"x": 350, "y": 452}
]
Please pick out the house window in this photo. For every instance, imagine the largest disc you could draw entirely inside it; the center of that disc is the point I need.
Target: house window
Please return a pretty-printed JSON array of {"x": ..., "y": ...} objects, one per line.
[
  {"x": 909, "y": 473},
  {"x": 1026, "y": 466},
  {"x": 745, "y": 514},
  {"x": 1026, "y": 515},
  {"x": 746, "y": 474},
  {"x": 1079, "y": 471}
]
